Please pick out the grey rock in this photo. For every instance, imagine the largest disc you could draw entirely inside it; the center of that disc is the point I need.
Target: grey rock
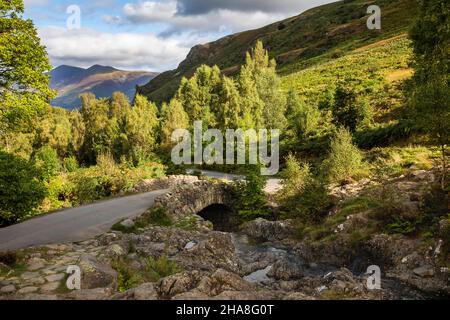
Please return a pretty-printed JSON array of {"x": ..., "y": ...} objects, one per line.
[
  {"x": 55, "y": 277},
  {"x": 115, "y": 251},
  {"x": 286, "y": 270},
  {"x": 49, "y": 287},
  {"x": 95, "y": 274},
  {"x": 8, "y": 289},
  {"x": 424, "y": 271},
  {"x": 29, "y": 275},
  {"x": 268, "y": 230},
  {"x": 128, "y": 223},
  {"x": 190, "y": 245},
  {"x": 147, "y": 291},
  {"x": 27, "y": 290}
]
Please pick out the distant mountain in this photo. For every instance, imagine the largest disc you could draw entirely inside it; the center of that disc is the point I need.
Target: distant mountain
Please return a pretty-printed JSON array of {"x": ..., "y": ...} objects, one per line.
[
  {"x": 319, "y": 34},
  {"x": 70, "y": 82}
]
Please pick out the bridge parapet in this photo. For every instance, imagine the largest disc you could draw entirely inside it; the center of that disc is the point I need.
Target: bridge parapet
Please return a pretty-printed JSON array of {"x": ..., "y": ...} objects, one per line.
[{"x": 191, "y": 197}]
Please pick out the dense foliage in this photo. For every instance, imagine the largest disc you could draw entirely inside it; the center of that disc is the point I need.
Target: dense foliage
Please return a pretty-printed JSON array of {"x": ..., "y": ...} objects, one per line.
[
  {"x": 430, "y": 87},
  {"x": 24, "y": 90}
]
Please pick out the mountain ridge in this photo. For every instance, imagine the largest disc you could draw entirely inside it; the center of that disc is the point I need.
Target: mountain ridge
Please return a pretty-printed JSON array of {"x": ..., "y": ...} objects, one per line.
[
  {"x": 70, "y": 82},
  {"x": 323, "y": 32}
]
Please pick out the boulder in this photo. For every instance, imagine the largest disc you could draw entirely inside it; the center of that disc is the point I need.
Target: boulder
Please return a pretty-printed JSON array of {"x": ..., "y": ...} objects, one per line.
[
  {"x": 426, "y": 271},
  {"x": 115, "y": 251},
  {"x": 128, "y": 223},
  {"x": 268, "y": 230},
  {"x": 95, "y": 274},
  {"x": 286, "y": 270},
  {"x": 222, "y": 280},
  {"x": 178, "y": 283}
]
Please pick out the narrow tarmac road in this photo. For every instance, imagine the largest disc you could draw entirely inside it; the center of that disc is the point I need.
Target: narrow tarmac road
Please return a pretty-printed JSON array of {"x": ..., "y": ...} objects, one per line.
[
  {"x": 75, "y": 224},
  {"x": 83, "y": 223}
]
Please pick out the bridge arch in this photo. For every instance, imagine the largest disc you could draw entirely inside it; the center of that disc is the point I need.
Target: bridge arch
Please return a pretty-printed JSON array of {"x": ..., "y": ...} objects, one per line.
[{"x": 211, "y": 200}]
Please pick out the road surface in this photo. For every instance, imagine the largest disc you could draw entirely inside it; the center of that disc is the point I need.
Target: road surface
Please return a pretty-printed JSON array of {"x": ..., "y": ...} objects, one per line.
[
  {"x": 75, "y": 224},
  {"x": 82, "y": 223}
]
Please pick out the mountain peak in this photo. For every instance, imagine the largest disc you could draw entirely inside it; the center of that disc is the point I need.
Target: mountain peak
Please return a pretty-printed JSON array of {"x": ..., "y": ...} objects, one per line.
[{"x": 101, "y": 69}]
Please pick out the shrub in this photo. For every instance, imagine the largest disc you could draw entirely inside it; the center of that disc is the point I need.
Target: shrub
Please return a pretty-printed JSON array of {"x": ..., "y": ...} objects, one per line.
[
  {"x": 249, "y": 198},
  {"x": 59, "y": 194},
  {"x": 391, "y": 213},
  {"x": 349, "y": 110},
  {"x": 345, "y": 159},
  {"x": 21, "y": 190},
  {"x": 303, "y": 196},
  {"x": 127, "y": 277},
  {"x": 160, "y": 268},
  {"x": 47, "y": 162},
  {"x": 70, "y": 164}
]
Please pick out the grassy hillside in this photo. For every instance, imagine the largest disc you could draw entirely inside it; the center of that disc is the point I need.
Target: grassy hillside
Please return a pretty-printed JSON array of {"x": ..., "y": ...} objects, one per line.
[
  {"x": 376, "y": 70},
  {"x": 316, "y": 36}
]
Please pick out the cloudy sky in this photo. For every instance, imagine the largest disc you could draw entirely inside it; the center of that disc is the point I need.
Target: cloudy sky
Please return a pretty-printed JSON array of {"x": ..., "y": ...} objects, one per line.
[{"x": 147, "y": 35}]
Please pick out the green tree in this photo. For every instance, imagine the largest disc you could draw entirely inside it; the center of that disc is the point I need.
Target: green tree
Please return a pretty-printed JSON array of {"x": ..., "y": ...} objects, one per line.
[
  {"x": 430, "y": 90},
  {"x": 345, "y": 160},
  {"x": 260, "y": 84},
  {"x": 173, "y": 117},
  {"x": 229, "y": 114},
  {"x": 47, "y": 162},
  {"x": 430, "y": 37},
  {"x": 55, "y": 129},
  {"x": 100, "y": 132},
  {"x": 141, "y": 128},
  {"x": 21, "y": 189},
  {"x": 199, "y": 95},
  {"x": 249, "y": 198},
  {"x": 303, "y": 196},
  {"x": 349, "y": 109},
  {"x": 24, "y": 90},
  {"x": 302, "y": 119}
]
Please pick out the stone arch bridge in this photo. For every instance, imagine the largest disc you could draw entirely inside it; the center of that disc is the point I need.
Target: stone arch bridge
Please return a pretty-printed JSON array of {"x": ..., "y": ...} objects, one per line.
[{"x": 211, "y": 200}]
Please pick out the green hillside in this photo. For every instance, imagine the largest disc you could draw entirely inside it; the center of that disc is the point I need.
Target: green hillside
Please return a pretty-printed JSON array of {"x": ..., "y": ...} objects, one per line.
[
  {"x": 376, "y": 71},
  {"x": 316, "y": 36}
]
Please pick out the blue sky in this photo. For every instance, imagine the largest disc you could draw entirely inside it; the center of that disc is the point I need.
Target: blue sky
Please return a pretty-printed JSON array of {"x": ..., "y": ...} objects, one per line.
[{"x": 151, "y": 35}]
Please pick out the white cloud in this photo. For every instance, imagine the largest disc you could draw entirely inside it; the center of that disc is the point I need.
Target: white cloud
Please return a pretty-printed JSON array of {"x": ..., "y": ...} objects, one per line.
[
  {"x": 86, "y": 47},
  {"x": 221, "y": 20},
  {"x": 148, "y": 11}
]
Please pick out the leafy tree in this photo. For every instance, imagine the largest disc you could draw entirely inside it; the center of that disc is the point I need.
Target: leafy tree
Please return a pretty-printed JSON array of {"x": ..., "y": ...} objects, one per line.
[
  {"x": 173, "y": 117},
  {"x": 229, "y": 115},
  {"x": 100, "y": 132},
  {"x": 303, "y": 196},
  {"x": 349, "y": 110},
  {"x": 249, "y": 197},
  {"x": 119, "y": 110},
  {"x": 47, "y": 162},
  {"x": 430, "y": 94},
  {"x": 199, "y": 95},
  {"x": 24, "y": 90},
  {"x": 55, "y": 129},
  {"x": 430, "y": 37},
  {"x": 141, "y": 128},
  {"x": 251, "y": 106},
  {"x": 21, "y": 189},
  {"x": 345, "y": 160},
  {"x": 302, "y": 119},
  {"x": 78, "y": 134},
  {"x": 259, "y": 74}
]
